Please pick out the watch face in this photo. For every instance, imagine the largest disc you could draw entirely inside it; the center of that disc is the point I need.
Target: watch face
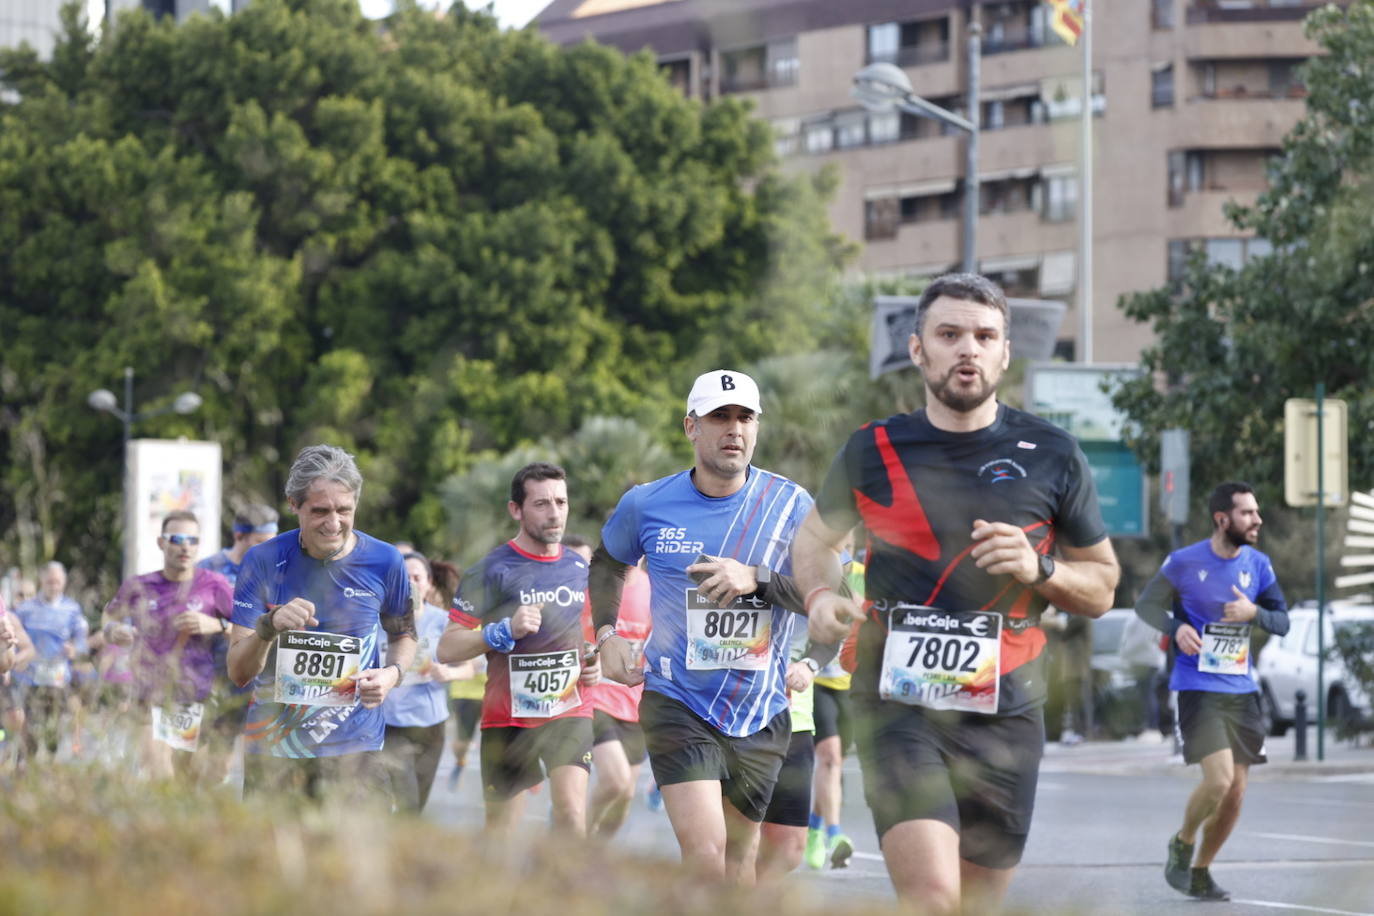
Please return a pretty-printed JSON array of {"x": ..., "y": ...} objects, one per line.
[{"x": 1046, "y": 566}]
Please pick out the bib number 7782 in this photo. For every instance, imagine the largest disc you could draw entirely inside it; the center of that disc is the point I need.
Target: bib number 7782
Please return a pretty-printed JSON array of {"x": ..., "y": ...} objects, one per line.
[{"x": 942, "y": 660}]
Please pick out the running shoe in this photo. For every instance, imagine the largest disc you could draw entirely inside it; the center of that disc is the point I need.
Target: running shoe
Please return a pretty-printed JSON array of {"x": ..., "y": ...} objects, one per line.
[
  {"x": 1179, "y": 864},
  {"x": 654, "y": 799},
  {"x": 841, "y": 848},
  {"x": 814, "y": 856},
  {"x": 1203, "y": 887}
]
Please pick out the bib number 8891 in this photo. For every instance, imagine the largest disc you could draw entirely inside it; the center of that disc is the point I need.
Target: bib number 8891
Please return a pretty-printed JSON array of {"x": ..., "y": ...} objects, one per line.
[
  {"x": 943, "y": 654},
  {"x": 319, "y": 664},
  {"x": 725, "y": 624}
]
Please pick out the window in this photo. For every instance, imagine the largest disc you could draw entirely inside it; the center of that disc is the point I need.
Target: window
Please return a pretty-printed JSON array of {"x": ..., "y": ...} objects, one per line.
[
  {"x": 819, "y": 137},
  {"x": 678, "y": 73},
  {"x": 884, "y": 41},
  {"x": 1232, "y": 253},
  {"x": 1162, "y": 87},
  {"x": 760, "y": 66},
  {"x": 908, "y": 44},
  {"x": 1225, "y": 252},
  {"x": 1284, "y": 79},
  {"x": 1162, "y": 14},
  {"x": 993, "y": 115},
  {"x": 784, "y": 66},
  {"x": 1061, "y": 198},
  {"x": 881, "y": 218},
  {"x": 884, "y": 127},
  {"x": 1178, "y": 262},
  {"x": 851, "y": 129}
]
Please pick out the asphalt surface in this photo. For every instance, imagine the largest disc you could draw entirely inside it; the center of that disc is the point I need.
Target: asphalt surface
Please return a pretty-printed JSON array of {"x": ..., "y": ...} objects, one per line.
[{"x": 1104, "y": 813}]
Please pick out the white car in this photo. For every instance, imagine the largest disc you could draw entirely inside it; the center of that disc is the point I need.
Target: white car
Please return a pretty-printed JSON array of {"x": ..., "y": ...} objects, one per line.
[{"x": 1289, "y": 663}]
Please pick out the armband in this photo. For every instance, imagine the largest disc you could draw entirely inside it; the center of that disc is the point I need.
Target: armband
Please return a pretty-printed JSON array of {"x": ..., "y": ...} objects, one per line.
[
  {"x": 601, "y": 641},
  {"x": 264, "y": 628},
  {"x": 499, "y": 636}
]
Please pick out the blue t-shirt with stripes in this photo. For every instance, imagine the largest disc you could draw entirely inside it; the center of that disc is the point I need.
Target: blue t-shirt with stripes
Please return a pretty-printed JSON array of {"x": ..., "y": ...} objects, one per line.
[{"x": 670, "y": 522}]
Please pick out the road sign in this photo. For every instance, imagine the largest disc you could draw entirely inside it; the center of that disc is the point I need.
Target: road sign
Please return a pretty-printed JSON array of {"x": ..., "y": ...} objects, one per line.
[
  {"x": 1301, "y": 455},
  {"x": 1173, "y": 475},
  {"x": 1360, "y": 526},
  {"x": 1122, "y": 493}
]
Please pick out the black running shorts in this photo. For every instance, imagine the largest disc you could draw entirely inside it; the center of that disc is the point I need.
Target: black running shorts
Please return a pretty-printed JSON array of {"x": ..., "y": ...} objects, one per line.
[
  {"x": 1211, "y": 722},
  {"x": 606, "y": 727},
  {"x": 974, "y": 772},
  {"x": 685, "y": 748},
  {"x": 833, "y": 716},
  {"x": 511, "y": 755},
  {"x": 790, "y": 805}
]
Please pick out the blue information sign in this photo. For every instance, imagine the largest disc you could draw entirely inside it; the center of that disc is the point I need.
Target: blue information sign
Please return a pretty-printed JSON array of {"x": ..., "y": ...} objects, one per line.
[{"x": 1120, "y": 488}]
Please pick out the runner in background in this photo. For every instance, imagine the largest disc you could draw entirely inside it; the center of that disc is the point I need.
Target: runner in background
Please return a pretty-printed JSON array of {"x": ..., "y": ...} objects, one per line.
[
  {"x": 58, "y": 629},
  {"x": 169, "y": 620},
  {"x": 16, "y": 651}
]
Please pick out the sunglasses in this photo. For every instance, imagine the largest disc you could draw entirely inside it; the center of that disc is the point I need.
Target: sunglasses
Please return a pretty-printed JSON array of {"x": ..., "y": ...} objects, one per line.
[{"x": 182, "y": 540}]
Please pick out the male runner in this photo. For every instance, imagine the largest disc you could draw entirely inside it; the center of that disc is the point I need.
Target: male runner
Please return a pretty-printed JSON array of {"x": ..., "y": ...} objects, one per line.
[
  {"x": 523, "y": 606},
  {"x": 1206, "y": 597},
  {"x": 170, "y": 620},
  {"x": 253, "y": 524},
  {"x": 58, "y": 629},
  {"x": 309, "y": 608},
  {"x": 714, "y": 709},
  {"x": 978, "y": 515}
]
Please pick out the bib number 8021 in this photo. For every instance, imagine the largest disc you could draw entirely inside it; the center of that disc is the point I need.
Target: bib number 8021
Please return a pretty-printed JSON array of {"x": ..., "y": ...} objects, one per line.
[
  {"x": 943, "y": 653},
  {"x": 319, "y": 664},
  {"x": 727, "y": 624}
]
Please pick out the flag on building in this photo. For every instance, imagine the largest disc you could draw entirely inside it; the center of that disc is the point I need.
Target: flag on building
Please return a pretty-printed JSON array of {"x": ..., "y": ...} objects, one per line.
[{"x": 1067, "y": 18}]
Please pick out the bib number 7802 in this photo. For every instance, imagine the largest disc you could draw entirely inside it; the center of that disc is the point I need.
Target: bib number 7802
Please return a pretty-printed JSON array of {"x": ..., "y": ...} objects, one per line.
[{"x": 942, "y": 660}]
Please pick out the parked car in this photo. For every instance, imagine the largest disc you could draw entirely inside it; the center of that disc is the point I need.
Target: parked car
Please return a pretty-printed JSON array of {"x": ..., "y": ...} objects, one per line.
[
  {"x": 1118, "y": 701},
  {"x": 1289, "y": 664}
]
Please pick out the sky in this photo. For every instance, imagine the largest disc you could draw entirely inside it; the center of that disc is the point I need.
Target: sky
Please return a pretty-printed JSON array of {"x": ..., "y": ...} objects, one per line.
[{"x": 513, "y": 13}]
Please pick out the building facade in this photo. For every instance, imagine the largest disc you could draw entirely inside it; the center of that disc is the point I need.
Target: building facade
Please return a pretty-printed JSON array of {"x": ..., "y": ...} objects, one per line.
[{"x": 1190, "y": 98}]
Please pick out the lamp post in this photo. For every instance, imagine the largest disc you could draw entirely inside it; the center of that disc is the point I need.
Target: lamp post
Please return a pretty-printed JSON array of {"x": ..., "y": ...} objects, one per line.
[
  {"x": 103, "y": 399},
  {"x": 881, "y": 87}
]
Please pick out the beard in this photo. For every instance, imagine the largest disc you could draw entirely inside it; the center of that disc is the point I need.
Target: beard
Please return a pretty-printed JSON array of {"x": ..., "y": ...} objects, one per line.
[
  {"x": 960, "y": 401},
  {"x": 547, "y": 535},
  {"x": 1238, "y": 538}
]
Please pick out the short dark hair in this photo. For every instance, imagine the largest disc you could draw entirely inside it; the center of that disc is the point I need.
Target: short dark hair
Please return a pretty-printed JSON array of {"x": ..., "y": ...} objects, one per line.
[
  {"x": 179, "y": 515},
  {"x": 1223, "y": 498},
  {"x": 539, "y": 470},
  {"x": 969, "y": 288}
]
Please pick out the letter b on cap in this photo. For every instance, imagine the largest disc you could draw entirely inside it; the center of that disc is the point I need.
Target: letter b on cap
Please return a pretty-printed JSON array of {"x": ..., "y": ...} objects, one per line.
[{"x": 727, "y": 383}]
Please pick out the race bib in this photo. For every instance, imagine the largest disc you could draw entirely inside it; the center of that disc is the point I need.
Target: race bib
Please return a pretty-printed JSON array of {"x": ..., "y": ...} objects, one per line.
[
  {"x": 1225, "y": 649},
  {"x": 941, "y": 660},
  {"x": 418, "y": 672},
  {"x": 739, "y": 636},
  {"x": 50, "y": 672},
  {"x": 544, "y": 684},
  {"x": 178, "y": 725},
  {"x": 317, "y": 669}
]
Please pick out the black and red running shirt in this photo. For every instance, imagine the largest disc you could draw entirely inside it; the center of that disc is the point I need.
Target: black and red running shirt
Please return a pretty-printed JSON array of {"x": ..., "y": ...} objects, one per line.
[{"x": 917, "y": 490}]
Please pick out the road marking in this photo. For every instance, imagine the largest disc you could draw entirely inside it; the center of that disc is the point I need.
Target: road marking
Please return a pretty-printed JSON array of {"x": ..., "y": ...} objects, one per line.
[
  {"x": 1275, "y": 905},
  {"x": 1313, "y": 839},
  {"x": 870, "y": 856}
]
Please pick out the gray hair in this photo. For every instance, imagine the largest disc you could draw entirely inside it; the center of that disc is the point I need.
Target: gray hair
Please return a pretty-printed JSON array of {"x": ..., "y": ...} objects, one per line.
[
  {"x": 55, "y": 564},
  {"x": 256, "y": 514},
  {"x": 322, "y": 462}
]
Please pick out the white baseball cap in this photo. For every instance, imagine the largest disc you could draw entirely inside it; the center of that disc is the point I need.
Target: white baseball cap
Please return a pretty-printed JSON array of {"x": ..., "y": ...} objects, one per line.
[{"x": 722, "y": 387}]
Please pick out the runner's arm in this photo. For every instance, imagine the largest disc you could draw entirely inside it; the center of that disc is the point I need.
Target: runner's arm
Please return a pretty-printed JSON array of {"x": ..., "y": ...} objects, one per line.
[
  {"x": 460, "y": 643},
  {"x": 23, "y": 645},
  {"x": 1271, "y": 612},
  {"x": 400, "y": 650},
  {"x": 821, "y": 653},
  {"x": 606, "y": 582},
  {"x": 247, "y": 655},
  {"x": 1084, "y": 580},
  {"x": 1156, "y": 603}
]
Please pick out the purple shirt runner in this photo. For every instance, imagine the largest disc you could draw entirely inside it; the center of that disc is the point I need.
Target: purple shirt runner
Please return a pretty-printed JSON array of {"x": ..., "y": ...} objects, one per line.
[{"x": 166, "y": 664}]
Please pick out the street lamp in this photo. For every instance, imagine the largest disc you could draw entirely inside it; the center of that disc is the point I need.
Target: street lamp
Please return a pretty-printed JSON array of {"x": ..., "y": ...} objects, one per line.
[
  {"x": 882, "y": 86},
  {"x": 104, "y": 400}
]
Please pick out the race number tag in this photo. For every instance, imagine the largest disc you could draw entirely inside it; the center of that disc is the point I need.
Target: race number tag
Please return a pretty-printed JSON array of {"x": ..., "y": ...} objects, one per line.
[
  {"x": 544, "y": 684},
  {"x": 1225, "y": 648},
  {"x": 739, "y": 636},
  {"x": 50, "y": 672},
  {"x": 178, "y": 725},
  {"x": 420, "y": 665},
  {"x": 317, "y": 669},
  {"x": 940, "y": 660}
]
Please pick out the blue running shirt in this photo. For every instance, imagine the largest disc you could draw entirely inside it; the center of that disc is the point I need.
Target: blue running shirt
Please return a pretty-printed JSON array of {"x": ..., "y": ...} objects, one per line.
[
  {"x": 670, "y": 521},
  {"x": 350, "y": 596},
  {"x": 1202, "y": 585},
  {"x": 419, "y": 701}
]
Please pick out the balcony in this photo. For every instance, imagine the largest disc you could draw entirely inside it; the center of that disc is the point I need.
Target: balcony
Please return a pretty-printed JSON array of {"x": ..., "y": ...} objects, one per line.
[
  {"x": 1249, "y": 120},
  {"x": 1206, "y": 11},
  {"x": 935, "y": 243},
  {"x": 1248, "y": 40}
]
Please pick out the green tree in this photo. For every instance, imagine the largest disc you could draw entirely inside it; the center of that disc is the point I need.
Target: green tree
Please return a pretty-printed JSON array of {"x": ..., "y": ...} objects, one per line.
[
  {"x": 1232, "y": 345},
  {"x": 427, "y": 241}
]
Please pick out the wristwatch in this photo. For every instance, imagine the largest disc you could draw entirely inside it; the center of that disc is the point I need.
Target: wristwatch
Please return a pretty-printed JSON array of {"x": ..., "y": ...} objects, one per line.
[
  {"x": 1046, "y": 568},
  {"x": 764, "y": 577},
  {"x": 811, "y": 663}
]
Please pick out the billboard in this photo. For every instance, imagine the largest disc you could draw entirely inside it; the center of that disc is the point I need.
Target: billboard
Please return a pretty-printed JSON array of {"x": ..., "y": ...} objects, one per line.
[{"x": 166, "y": 475}]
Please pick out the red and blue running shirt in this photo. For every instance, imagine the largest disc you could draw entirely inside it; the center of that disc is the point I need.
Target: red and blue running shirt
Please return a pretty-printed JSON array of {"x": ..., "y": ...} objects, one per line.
[{"x": 918, "y": 489}]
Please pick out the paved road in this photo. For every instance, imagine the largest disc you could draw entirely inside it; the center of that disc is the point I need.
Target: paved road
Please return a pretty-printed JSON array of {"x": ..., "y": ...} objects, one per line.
[{"x": 1104, "y": 812}]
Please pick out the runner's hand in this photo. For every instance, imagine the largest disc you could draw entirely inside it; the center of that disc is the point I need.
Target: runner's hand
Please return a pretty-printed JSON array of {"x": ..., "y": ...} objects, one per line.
[
  {"x": 1241, "y": 610},
  {"x": 591, "y": 670},
  {"x": 194, "y": 623},
  {"x": 7, "y": 637},
  {"x": 799, "y": 677},
  {"x": 122, "y": 634},
  {"x": 1188, "y": 640},
  {"x": 726, "y": 580},
  {"x": 69, "y": 650},
  {"x": 296, "y": 614},
  {"x": 617, "y": 660},
  {"x": 830, "y": 616},
  {"x": 1002, "y": 550},
  {"x": 525, "y": 621},
  {"x": 375, "y": 683}
]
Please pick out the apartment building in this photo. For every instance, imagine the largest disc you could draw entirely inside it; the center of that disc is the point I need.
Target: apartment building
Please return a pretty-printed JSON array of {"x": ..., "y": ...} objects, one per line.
[{"x": 1190, "y": 99}]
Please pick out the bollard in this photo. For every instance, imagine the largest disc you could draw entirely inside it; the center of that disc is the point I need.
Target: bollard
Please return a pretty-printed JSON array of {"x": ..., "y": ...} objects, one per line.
[{"x": 1300, "y": 725}]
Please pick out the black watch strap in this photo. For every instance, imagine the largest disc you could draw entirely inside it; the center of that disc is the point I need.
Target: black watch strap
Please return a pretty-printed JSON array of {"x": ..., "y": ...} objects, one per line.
[{"x": 264, "y": 628}]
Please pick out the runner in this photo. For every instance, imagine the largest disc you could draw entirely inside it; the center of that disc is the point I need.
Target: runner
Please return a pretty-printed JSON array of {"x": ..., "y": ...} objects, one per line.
[
  {"x": 618, "y": 751},
  {"x": 16, "y": 651},
  {"x": 58, "y": 630},
  {"x": 416, "y": 711},
  {"x": 523, "y": 606},
  {"x": 170, "y": 620},
  {"x": 825, "y": 839},
  {"x": 978, "y": 515},
  {"x": 309, "y": 609},
  {"x": 1207, "y": 597},
  {"x": 714, "y": 709}
]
